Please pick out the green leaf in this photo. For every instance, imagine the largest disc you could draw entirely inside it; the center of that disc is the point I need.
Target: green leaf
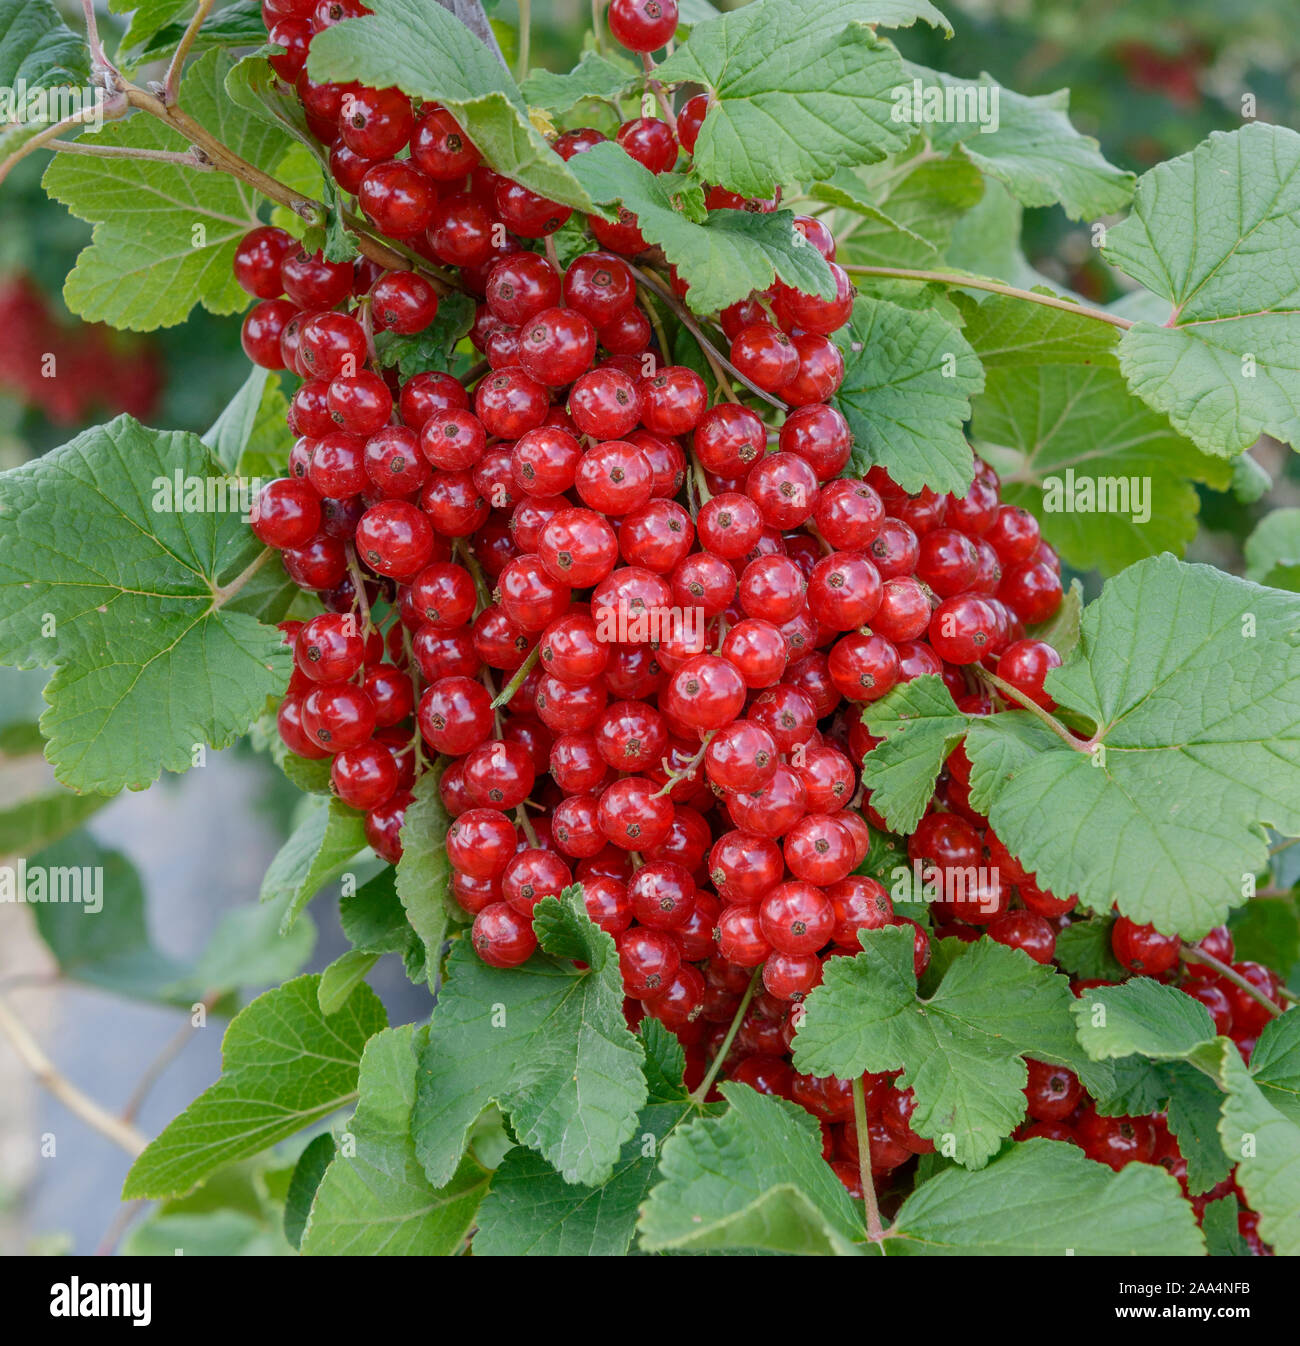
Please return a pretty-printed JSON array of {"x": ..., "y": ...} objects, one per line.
[
  {"x": 37, "y": 822},
  {"x": 424, "y": 872},
  {"x": 375, "y": 1201},
  {"x": 722, "y": 261},
  {"x": 104, "y": 940},
  {"x": 920, "y": 725},
  {"x": 307, "y": 1175},
  {"x": 247, "y": 949},
  {"x": 1265, "y": 1145},
  {"x": 532, "y": 1211},
  {"x": 253, "y": 86},
  {"x": 342, "y": 977},
  {"x": 1201, "y": 727},
  {"x": 1083, "y": 949},
  {"x": 1267, "y": 930},
  {"x": 908, "y": 379},
  {"x": 595, "y": 76},
  {"x": 147, "y": 18},
  {"x": 328, "y": 837},
  {"x": 38, "y": 49},
  {"x": 1227, "y": 220},
  {"x": 428, "y": 53},
  {"x": 1275, "y": 1064},
  {"x": 285, "y": 1065},
  {"x": 236, "y": 25},
  {"x": 218, "y": 1233},
  {"x": 431, "y": 349},
  {"x": 373, "y": 918},
  {"x": 123, "y": 599},
  {"x": 1108, "y": 478},
  {"x": 546, "y": 1041},
  {"x": 1219, "y": 1223},
  {"x": 753, "y": 1179},
  {"x": 1045, "y": 1199},
  {"x": 1026, "y": 143},
  {"x": 165, "y": 236},
  {"x": 1143, "y": 1017},
  {"x": 251, "y": 438},
  {"x": 793, "y": 99},
  {"x": 1009, "y": 333},
  {"x": 960, "y": 1049},
  {"x": 1273, "y": 550}
]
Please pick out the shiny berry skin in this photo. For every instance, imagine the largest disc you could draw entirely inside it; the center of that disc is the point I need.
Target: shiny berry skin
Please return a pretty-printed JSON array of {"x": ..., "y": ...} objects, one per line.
[
  {"x": 360, "y": 404},
  {"x": 741, "y": 756},
  {"x": 394, "y": 538},
  {"x": 773, "y": 589},
  {"x": 391, "y": 694},
  {"x": 796, "y": 918},
  {"x": 895, "y": 550},
  {"x": 642, "y": 25},
  {"x": 403, "y": 302},
  {"x": 744, "y": 866},
  {"x": 455, "y": 715},
  {"x": 679, "y": 1005},
  {"x": 1033, "y": 591},
  {"x": 705, "y": 692},
  {"x": 648, "y": 959},
  {"x": 1212, "y": 996},
  {"x": 785, "y": 489},
  {"x": 729, "y": 438},
  {"x": 657, "y": 536},
  {"x": 1249, "y": 1017},
  {"x": 286, "y": 513},
  {"x": 428, "y": 395},
  {"x": 453, "y": 440},
  {"x": 1115, "y": 1141},
  {"x": 393, "y": 461},
  {"x": 844, "y": 591},
  {"x": 1142, "y": 949},
  {"x": 858, "y": 903},
  {"x": 821, "y": 370},
  {"x": 364, "y": 777},
  {"x": 531, "y": 875},
  {"x": 453, "y": 505},
  {"x": 338, "y": 716},
  {"x": 527, "y": 214},
  {"x": 263, "y": 327},
  {"x": 662, "y": 895},
  {"x": 740, "y": 936},
  {"x": 294, "y": 35},
  {"x": 313, "y": 283},
  {"x": 789, "y": 976},
  {"x": 481, "y": 842},
  {"x": 1052, "y": 1092},
  {"x": 376, "y": 123},
  {"x": 819, "y": 850},
  {"x": 575, "y": 826},
  {"x": 633, "y": 815},
  {"x": 443, "y": 594},
  {"x": 820, "y": 436},
  {"x": 543, "y": 461},
  {"x": 502, "y": 936},
  {"x": 600, "y": 287},
  {"x": 383, "y": 826},
  {"x": 811, "y": 313},
  {"x": 578, "y": 547},
  {"x": 773, "y": 810},
  {"x": 690, "y": 119},
  {"x": 816, "y": 232},
  {"x": 1026, "y": 931},
  {"x": 258, "y": 260},
  {"x": 510, "y": 403},
  {"x": 759, "y": 651},
  {"x": 765, "y": 356},
  {"x": 1218, "y": 944},
  {"x": 1025, "y": 664},
  {"x": 605, "y": 404},
  {"x": 614, "y": 478},
  {"x": 673, "y": 400},
  {"x": 460, "y": 232},
  {"x": 521, "y": 287},
  {"x": 329, "y": 648},
  {"x": 650, "y": 141},
  {"x": 1014, "y": 535},
  {"x": 556, "y": 346},
  {"x": 398, "y": 198},
  {"x": 962, "y": 629},
  {"x": 499, "y": 774},
  {"x": 441, "y": 149},
  {"x": 864, "y": 668}
]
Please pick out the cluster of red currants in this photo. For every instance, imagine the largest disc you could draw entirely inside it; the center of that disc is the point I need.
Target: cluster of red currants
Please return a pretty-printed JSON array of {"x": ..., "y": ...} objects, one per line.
[{"x": 689, "y": 607}]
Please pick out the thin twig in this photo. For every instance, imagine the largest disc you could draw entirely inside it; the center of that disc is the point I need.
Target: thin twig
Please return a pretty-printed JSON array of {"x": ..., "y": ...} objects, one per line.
[
  {"x": 993, "y": 287},
  {"x": 862, "y": 1127},
  {"x": 90, "y": 1112},
  {"x": 172, "y": 83},
  {"x": 1043, "y": 717},
  {"x": 181, "y": 158},
  {"x": 223, "y": 595},
  {"x": 158, "y": 1066},
  {"x": 1194, "y": 955},
  {"x": 711, "y": 352},
  {"x": 702, "y": 1092},
  {"x": 111, "y": 109},
  {"x": 519, "y": 677},
  {"x": 97, "y": 55},
  {"x": 660, "y": 93}
]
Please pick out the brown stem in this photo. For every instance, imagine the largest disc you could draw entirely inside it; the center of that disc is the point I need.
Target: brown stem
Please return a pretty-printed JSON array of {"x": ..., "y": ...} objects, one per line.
[
  {"x": 221, "y": 596},
  {"x": 714, "y": 356},
  {"x": 172, "y": 82},
  {"x": 29, "y": 1051},
  {"x": 1229, "y": 974},
  {"x": 1043, "y": 717},
  {"x": 181, "y": 158},
  {"x": 111, "y": 109},
  {"x": 660, "y": 93}
]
